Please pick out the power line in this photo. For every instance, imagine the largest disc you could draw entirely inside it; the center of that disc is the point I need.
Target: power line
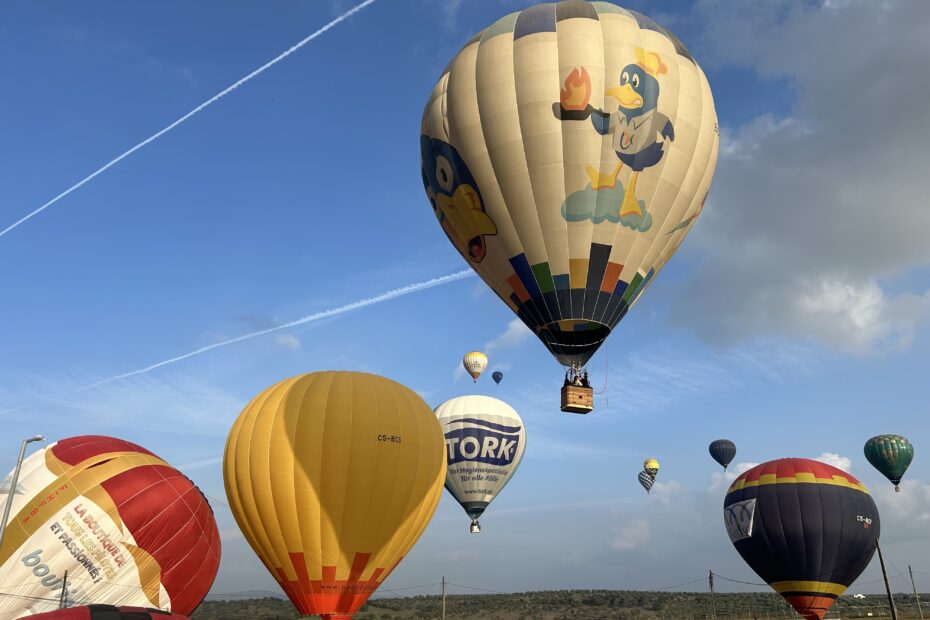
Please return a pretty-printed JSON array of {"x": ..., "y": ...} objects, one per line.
[
  {"x": 679, "y": 585},
  {"x": 190, "y": 114},
  {"x": 458, "y": 585},
  {"x": 748, "y": 583}
]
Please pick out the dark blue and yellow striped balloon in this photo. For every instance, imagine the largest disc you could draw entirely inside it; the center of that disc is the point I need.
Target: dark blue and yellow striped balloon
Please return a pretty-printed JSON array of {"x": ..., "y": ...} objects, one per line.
[{"x": 807, "y": 528}]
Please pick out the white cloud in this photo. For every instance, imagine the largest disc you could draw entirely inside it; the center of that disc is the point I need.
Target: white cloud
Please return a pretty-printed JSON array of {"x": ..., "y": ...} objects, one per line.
[
  {"x": 288, "y": 341},
  {"x": 668, "y": 374},
  {"x": 721, "y": 479},
  {"x": 515, "y": 334},
  {"x": 631, "y": 535},
  {"x": 912, "y": 503},
  {"x": 808, "y": 218},
  {"x": 858, "y": 316},
  {"x": 830, "y": 458},
  {"x": 232, "y": 533},
  {"x": 664, "y": 491}
]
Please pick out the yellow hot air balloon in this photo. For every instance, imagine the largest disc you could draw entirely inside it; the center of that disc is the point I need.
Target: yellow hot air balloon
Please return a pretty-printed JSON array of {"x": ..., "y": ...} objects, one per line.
[
  {"x": 475, "y": 362},
  {"x": 332, "y": 477},
  {"x": 651, "y": 467},
  {"x": 566, "y": 151}
]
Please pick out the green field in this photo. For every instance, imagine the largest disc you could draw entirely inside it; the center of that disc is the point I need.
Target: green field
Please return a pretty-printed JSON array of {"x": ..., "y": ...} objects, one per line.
[{"x": 574, "y": 605}]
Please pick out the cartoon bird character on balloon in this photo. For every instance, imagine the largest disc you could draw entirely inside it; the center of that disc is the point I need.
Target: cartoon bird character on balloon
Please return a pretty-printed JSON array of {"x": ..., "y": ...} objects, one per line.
[
  {"x": 454, "y": 196},
  {"x": 639, "y": 133}
]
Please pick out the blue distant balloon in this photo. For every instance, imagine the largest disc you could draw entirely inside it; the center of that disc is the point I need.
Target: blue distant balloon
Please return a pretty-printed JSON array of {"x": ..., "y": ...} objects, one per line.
[{"x": 497, "y": 376}]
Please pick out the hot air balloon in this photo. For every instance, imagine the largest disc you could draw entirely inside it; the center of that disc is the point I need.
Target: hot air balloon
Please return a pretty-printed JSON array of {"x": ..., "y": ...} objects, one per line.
[
  {"x": 485, "y": 439},
  {"x": 332, "y": 477},
  {"x": 566, "y": 151},
  {"x": 497, "y": 376},
  {"x": 807, "y": 528},
  {"x": 891, "y": 455},
  {"x": 651, "y": 467},
  {"x": 646, "y": 480},
  {"x": 108, "y": 612},
  {"x": 722, "y": 451},
  {"x": 128, "y": 528},
  {"x": 475, "y": 362}
]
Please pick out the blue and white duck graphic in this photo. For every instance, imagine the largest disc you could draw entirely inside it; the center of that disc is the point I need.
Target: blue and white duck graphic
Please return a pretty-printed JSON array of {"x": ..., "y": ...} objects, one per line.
[{"x": 639, "y": 133}]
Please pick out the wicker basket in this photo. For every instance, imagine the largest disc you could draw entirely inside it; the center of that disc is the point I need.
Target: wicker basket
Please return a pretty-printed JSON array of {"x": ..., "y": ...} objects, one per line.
[{"x": 576, "y": 399}]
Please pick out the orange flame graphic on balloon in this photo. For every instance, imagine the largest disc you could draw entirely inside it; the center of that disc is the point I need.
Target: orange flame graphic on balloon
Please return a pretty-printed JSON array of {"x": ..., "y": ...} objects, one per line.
[{"x": 577, "y": 91}]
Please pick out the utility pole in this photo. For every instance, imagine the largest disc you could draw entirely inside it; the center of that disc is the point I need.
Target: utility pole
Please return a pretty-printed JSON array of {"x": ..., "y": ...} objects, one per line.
[
  {"x": 15, "y": 480},
  {"x": 443, "y": 597},
  {"x": 881, "y": 560},
  {"x": 713, "y": 597},
  {"x": 64, "y": 591},
  {"x": 917, "y": 596}
]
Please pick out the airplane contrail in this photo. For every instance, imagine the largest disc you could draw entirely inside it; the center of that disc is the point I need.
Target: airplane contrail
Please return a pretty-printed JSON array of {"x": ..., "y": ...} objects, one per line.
[
  {"x": 310, "y": 318},
  {"x": 199, "y": 108}
]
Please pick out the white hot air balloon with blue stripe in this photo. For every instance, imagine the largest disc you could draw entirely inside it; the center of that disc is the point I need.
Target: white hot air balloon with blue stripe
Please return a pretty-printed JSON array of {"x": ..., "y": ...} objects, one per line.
[{"x": 485, "y": 439}]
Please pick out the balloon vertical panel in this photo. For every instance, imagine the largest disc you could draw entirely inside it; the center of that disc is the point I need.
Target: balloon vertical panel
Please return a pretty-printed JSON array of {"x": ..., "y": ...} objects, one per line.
[{"x": 332, "y": 477}]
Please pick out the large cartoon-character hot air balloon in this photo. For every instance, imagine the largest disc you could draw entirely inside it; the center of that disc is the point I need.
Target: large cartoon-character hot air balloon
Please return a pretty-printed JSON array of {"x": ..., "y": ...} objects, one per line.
[
  {"x": 807, "y": 528},
  {"x": 108, "y": 612},
  {"x": 485, "y": 439},
  {"x": 566, "y": 152},
  {"x": 891, "y": 455},
  {"x": 332, "y": 477},
  {"x": 128, "y": 528}
]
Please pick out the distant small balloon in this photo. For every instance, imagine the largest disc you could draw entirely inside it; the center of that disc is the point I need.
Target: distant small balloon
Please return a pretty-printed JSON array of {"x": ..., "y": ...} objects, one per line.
[
  {"x": 891, "y": 455},
  {"x": 475, "y": 362},
  {"x": 723, "y": 451},
  {"x": 651, "y": 467},
  {"x": 497, "y": 376},
  {"x": 646, "y": 480}
]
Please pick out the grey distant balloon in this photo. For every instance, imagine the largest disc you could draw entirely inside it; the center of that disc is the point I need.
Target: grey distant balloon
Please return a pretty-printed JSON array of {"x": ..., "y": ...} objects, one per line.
[
  {"x": 646, "y": 480},
  {"x": 723, "y": 451}
]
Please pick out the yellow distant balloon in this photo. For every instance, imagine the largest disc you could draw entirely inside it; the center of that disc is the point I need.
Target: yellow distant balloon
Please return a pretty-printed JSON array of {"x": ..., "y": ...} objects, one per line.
[
  {"x": 651, "y": 467},
  {"x": 332, "y": 477},
  {"x": 475, "y": 362},
  {"x": 566, "y": 151}
]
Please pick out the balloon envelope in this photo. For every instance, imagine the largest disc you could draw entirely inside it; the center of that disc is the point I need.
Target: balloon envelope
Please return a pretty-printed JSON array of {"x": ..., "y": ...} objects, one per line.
[
  {"x": 129, "y": 529},
  {"x": 807, "y": 528},
  {"x": 566, "y": 151},
  {"x": 891, "y": 455},
  {"x": 651, "y": 467},
  {"x": 108, "y": 612},
  {"x": 497, "y": 376},
  {"x": 646, "y": 480},
  {"x": 723, "y": 451},
  {"x": 332, "y": 477},
  {"x": 485, "y": 439},
  {"x": 475, "y": 362}
]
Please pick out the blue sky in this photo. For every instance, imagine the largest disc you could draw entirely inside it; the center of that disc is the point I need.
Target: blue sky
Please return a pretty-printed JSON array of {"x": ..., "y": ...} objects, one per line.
[{"x": 793, "y": 320}]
